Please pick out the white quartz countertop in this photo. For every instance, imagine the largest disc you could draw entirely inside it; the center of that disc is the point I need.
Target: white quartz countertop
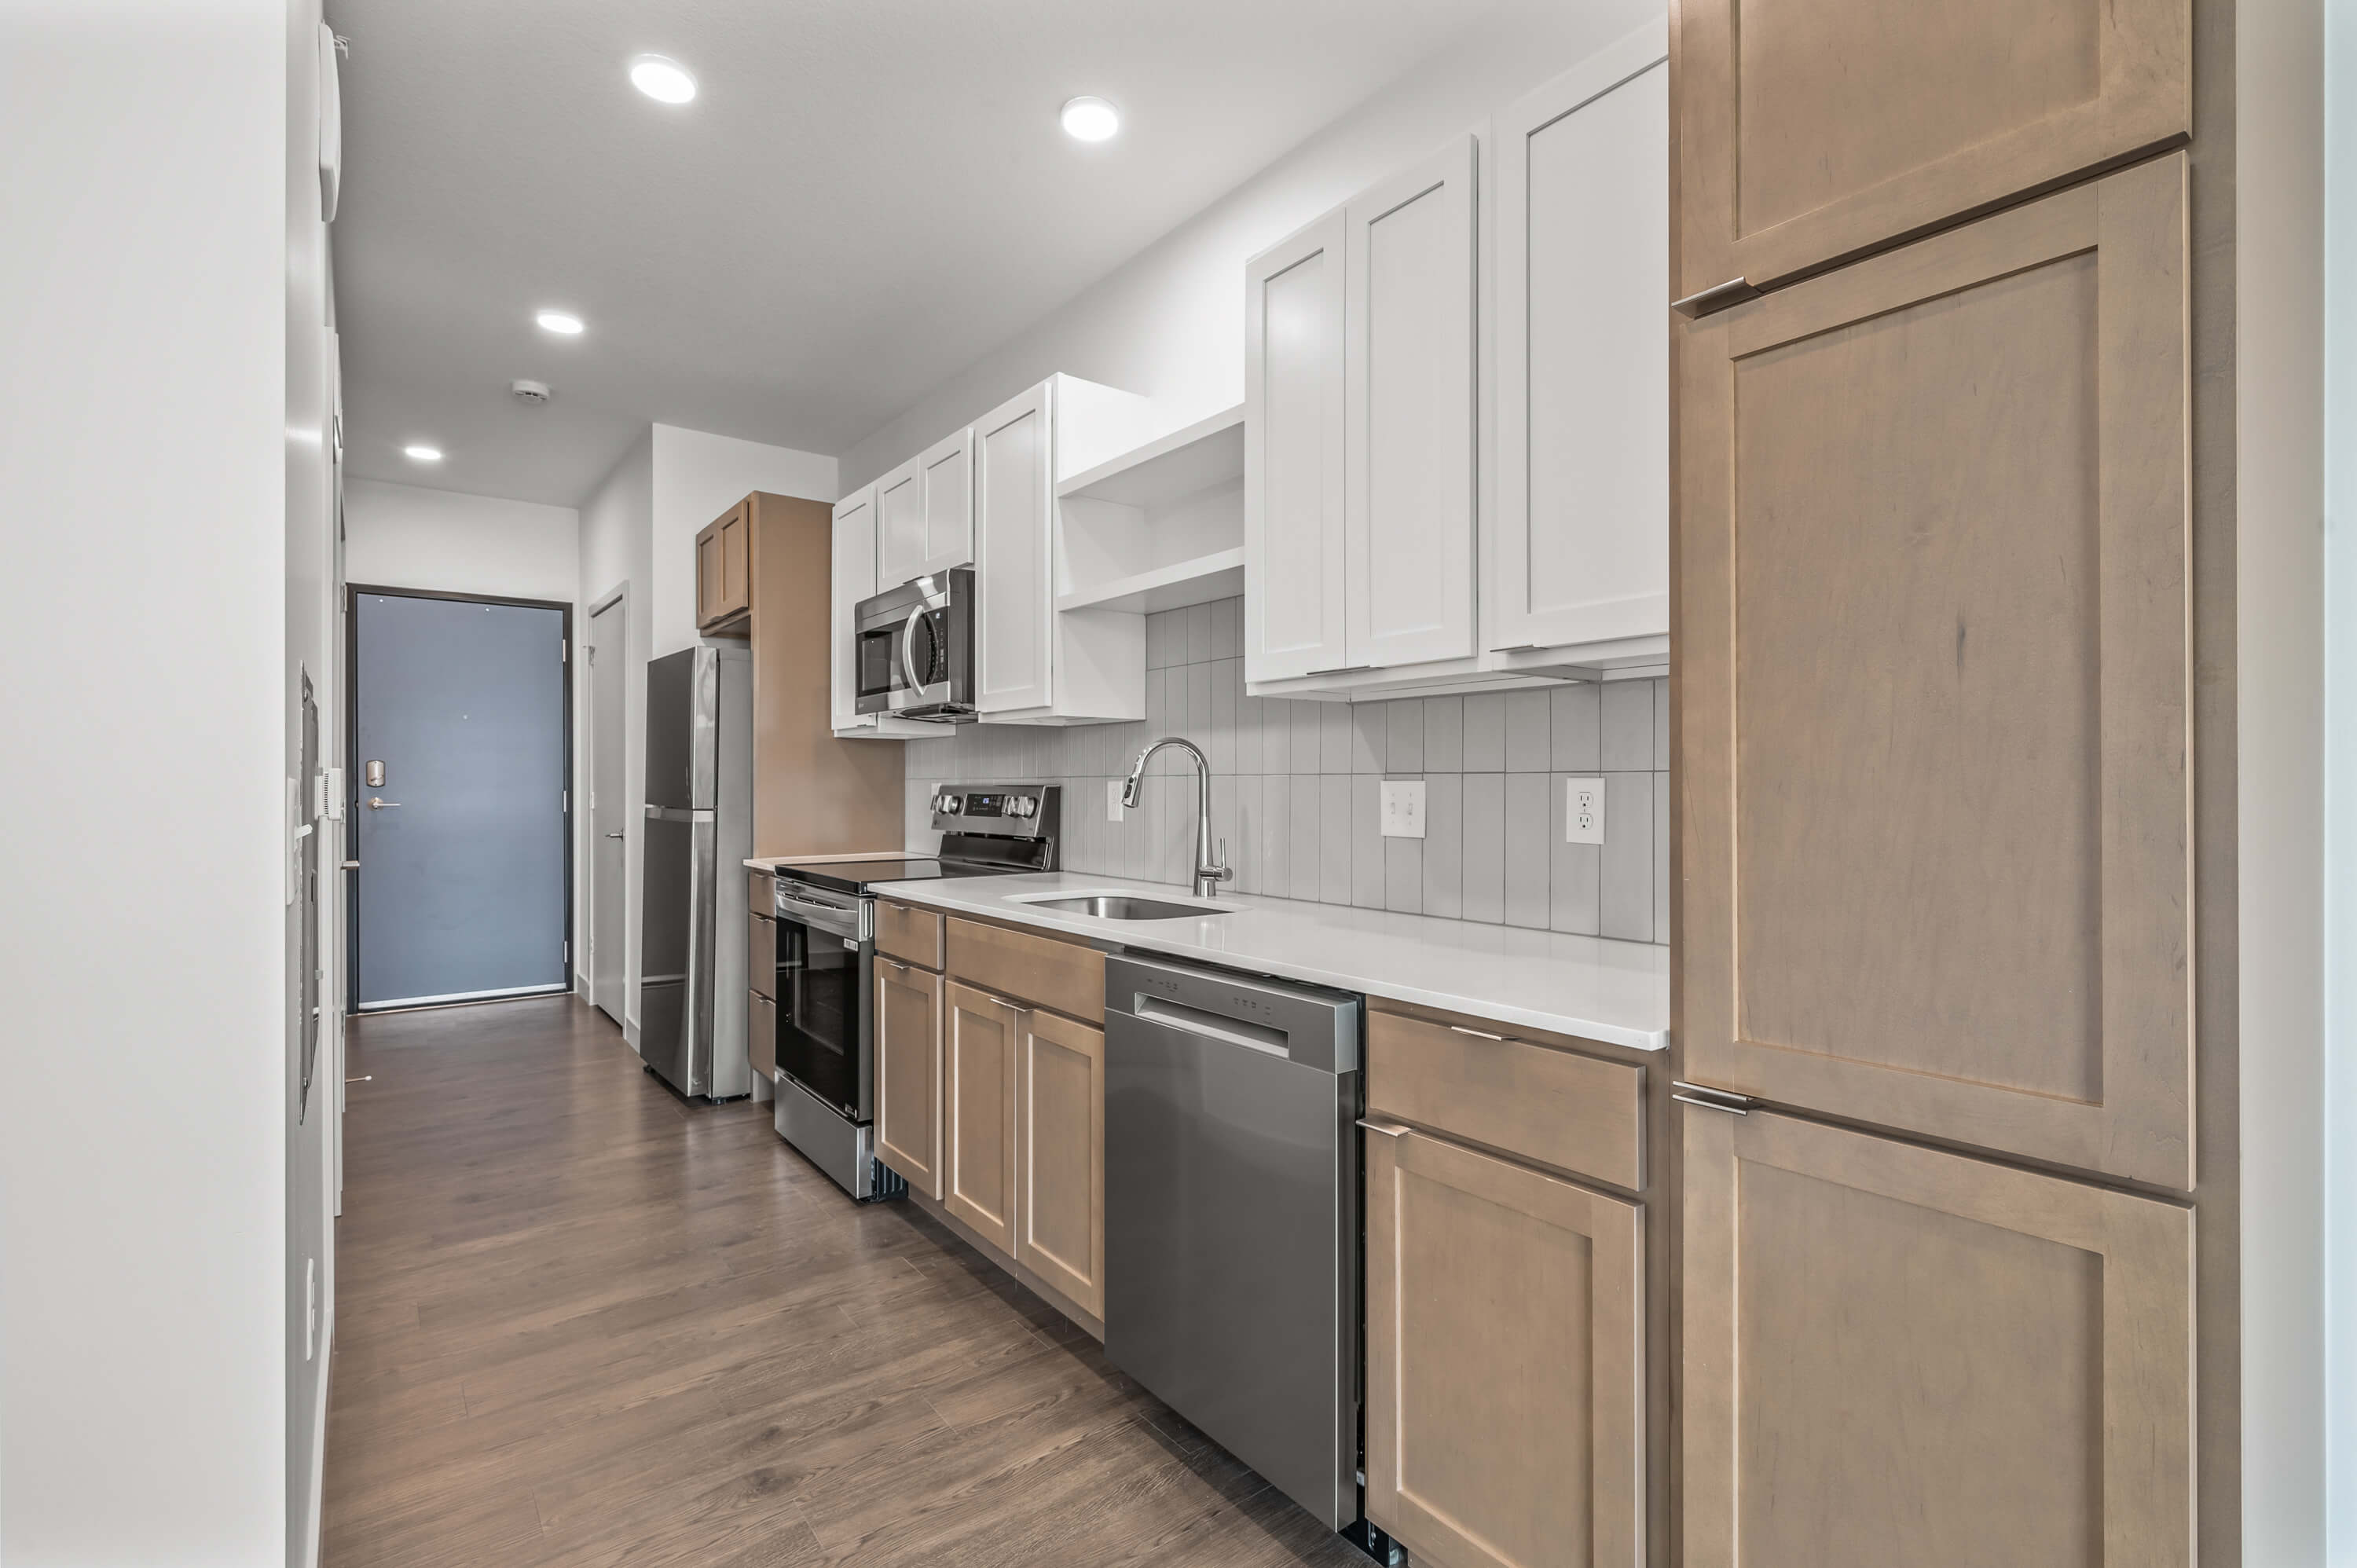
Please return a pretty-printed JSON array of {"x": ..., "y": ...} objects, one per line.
[
  {"x": 771, "y": 862},
  {"x": 1598, "y": 989}
]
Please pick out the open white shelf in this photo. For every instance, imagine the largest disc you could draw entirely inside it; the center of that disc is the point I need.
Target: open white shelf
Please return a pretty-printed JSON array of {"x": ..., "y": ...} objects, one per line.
[
  {"x": 1218, "y": 576},
  {"x": 1185, "y": 462}
]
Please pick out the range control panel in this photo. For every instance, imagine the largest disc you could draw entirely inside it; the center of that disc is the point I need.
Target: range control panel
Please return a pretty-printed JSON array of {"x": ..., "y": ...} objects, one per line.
[{"x": 1001, "y": 810}]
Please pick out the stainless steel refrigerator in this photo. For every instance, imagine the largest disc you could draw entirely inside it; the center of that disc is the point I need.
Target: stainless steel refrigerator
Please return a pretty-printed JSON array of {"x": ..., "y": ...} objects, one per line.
[{"x": 698, "y": 830}]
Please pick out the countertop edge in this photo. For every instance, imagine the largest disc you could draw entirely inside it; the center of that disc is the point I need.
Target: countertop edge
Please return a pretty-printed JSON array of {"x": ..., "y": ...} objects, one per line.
[{"x": 1530, "y": 1019}]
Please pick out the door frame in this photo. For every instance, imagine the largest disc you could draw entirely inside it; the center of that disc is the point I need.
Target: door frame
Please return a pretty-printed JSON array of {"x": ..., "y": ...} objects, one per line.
[
  {"x": 351, "y": 737},
  {"x": 585, "y": 977}
]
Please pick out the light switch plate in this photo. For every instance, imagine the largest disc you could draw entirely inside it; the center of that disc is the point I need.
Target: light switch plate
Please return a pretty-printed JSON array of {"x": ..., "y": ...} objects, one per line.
[
  {"x": 1114, "y": 810},
  {"x": 1583, "y": 811},
  {"x": 1403, "y": 808}
]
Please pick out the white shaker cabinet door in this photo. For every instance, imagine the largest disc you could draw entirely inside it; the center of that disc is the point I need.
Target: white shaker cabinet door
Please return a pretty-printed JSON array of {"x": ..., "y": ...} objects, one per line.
[
  {"x": 947, "y": 470},
  {"x": 1014, "y": 499},
  {"x": 1580, "y": 545},
  {"x": 1409, "y": 413},
  {"x": 900, "y": 526},
  {"x": 854, "y": 563},
  {"x": 1293, "y": 533}
]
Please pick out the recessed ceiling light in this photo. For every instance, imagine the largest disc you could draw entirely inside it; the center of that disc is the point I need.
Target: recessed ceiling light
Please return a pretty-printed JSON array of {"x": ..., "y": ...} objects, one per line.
[
  {"x": 559, "y": 321},
  {"x": 1090, "y": 119},
  {"x": 421, "y": 452},
  {"x": 665, "y": 80}
]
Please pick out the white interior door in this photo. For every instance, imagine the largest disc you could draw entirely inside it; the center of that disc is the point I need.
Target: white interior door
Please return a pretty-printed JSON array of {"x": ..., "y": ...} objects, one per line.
[
  {"x": 1409, "y": 422},
  {"x": 1014, "y": 627},
  {"x": 1581, "y": 542},
  {"x": 609, "y": 816},
  {"x": 1294, "y": 537}
]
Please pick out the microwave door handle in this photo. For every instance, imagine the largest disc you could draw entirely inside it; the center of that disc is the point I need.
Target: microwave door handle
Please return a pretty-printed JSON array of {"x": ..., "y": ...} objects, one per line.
[{"x": 909, "y": 648}]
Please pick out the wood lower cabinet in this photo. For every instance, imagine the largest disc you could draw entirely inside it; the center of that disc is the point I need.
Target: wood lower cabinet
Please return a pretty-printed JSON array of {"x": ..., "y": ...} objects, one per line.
[
  {"x": 1060, "y": 1160},
  {"x": 1505, "y": 1361},
  {"x": 908, "y": 1073},
  {"x": 1893, "y": 1354},
  {"x": 1813, "y": 132},
  {"x": 1936, "y": 685},
  {"x": 981, "y": 1042}
]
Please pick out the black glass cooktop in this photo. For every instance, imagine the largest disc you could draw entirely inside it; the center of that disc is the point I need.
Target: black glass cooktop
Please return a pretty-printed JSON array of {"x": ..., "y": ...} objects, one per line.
[{"x": 853, "y": 876}]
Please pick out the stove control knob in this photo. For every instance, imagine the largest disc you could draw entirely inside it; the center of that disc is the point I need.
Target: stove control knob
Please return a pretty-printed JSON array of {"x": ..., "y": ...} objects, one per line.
[
  {"x": 945, "y": 803},
  {"x": 1025, "y": 805}
]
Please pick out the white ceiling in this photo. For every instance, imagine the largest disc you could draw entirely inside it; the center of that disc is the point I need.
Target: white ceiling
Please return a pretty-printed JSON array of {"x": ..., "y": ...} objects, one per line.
[{"x": 865, "y": 196}]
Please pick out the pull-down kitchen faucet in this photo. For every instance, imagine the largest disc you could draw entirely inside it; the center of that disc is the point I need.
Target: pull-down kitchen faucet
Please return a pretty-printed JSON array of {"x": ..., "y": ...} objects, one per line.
[{"x": 1208, "y": 873}]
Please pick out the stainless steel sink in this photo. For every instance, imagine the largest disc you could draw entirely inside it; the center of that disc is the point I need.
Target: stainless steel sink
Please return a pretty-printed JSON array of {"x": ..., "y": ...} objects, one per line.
[{"x": 1122, "y": 906}]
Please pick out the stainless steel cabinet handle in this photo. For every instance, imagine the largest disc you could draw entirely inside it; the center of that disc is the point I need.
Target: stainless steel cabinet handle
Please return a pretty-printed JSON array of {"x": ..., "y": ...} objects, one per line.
[
  {"x": 1734, "y": 291},
  {"x": 1385, "y": 1128},
  {"x": 892, "y": 963},
  {"x": 613, "y": 835},
  {"x": 1710, "y": 1099},
  {"x": 1477, "y": 1033},
  {"x": 1342, "y": 670}
]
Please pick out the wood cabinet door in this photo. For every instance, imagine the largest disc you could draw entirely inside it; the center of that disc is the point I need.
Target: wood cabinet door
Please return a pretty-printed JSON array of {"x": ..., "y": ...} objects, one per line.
[
  {"x": 1893, "y": 1354},
  {"x": 982, "y": 1036},
  {"x": 1408, "y": 475},
  {"x": 908, "y": 1073},
  {"x": 1505, "y": 1361},
  {"x": 946, "y": 468},
  {"x": 1294, "y": 532},
  {"x": 1060, "y": 1167},
  {"x": 708, "y": 574},
  {"x": 736, "y": 593},
  {"x": 1814, "y": 133},
  {"x": 761, "y": 1036},
  {"x": 899, "y": 527},
  {"x": 1579, "y": 546},
  {"x": 854, "y": 571},
  {"x": 1015, "y": 502},
  {"x": 1935, "y": 686}
]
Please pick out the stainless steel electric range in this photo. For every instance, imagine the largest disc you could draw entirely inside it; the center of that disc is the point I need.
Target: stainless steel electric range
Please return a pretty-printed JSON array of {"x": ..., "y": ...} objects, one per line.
[{"x": 826, "y": 967}]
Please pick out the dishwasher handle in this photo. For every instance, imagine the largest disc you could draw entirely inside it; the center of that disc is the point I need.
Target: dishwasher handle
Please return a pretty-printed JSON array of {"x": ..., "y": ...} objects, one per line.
[{"x": 1231, "y": 1031}]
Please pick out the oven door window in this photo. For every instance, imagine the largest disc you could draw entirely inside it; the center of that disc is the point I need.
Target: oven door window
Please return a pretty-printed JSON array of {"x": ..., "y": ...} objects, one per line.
[
  {"x": 818, "y": 1013},
  {"x": 879, "y": 662}
]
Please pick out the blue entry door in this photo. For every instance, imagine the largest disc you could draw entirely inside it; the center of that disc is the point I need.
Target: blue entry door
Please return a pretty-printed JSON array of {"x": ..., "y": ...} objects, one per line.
[{"x": 461, "y": 840}]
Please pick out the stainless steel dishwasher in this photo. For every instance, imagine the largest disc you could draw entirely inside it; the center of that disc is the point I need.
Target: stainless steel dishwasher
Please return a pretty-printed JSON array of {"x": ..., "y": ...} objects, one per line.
[{"x": 1232, "y": 1215}]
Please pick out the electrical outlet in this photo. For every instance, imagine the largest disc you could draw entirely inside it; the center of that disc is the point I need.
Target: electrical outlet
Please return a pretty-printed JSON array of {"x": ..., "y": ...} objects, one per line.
[
  {"x": 1403, "y": 808},
  {"x": 1114, "y": 810},
  {"x": 1583, "y": 811}
]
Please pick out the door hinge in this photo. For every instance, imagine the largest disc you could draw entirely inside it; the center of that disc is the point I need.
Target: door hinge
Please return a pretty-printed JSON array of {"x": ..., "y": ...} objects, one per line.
[{"x": 1710, "y": 1099}]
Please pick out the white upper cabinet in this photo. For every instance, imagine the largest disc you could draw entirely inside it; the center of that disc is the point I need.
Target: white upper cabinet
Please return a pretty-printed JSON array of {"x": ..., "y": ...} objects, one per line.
[
  {"x": 1294, "y": 456},
  {"x": 1033, "y": 663},
  {"x": 1014, "y": 512},
  {"x": 924, "y": 512},
  {"x": 1578, "y": 547},
  {"x": 853, "y": 574},
  {"x": 1408, "y": 442}
]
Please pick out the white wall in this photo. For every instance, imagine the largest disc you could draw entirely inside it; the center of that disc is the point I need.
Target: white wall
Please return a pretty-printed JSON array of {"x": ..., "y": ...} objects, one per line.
[
  {"x": 2279, "y": 572},
  {"x": 2341, "y": 781},
  {"x": 405, "y": 536},
  {"x": 1170, "y": 323},
  {"x": 144, "y": 1155},
  {"x": 697, "y": 477}
]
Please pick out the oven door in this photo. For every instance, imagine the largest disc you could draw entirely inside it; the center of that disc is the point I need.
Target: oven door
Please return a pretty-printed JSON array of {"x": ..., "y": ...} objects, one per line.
[{"x": 822, "y": 995}]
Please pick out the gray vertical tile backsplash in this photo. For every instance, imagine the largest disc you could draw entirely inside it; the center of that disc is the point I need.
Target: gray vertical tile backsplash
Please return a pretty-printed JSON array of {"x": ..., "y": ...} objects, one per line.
[{"x": 1296, "y": 789}]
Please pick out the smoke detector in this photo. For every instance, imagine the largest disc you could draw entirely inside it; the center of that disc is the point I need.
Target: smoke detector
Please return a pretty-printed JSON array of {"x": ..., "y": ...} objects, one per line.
[{"x": 530, "y": 392}]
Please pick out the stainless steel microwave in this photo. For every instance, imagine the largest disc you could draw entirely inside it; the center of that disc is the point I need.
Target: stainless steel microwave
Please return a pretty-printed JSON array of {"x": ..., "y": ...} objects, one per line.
[{"x": 914, "y": 649}]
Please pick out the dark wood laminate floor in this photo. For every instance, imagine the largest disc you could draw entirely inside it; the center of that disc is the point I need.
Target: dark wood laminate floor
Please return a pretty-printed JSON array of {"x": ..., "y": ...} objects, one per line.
[{"x": 583, "y": 1322}]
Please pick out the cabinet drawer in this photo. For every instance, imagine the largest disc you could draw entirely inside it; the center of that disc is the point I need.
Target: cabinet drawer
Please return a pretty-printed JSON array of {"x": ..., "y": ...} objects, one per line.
[
  {"x": 758, "y": 898},
  {"x": 761, "y": 954},
  {"x": 761, "y": 1035},
  {"x": 913, "y": 935},
  {"x": 1575, "y": 1112},
  {"x": 1064, "y": 977}
]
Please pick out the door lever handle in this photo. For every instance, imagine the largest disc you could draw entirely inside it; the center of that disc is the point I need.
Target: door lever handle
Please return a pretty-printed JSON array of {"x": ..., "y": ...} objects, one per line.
[
  {"x": 378, "y": 802},
  {"x": 613, "y": 835}
]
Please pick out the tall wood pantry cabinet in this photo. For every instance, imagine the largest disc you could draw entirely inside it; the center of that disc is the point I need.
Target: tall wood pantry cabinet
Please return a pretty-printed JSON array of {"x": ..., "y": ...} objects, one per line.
[{"x": 1935, "y": 951}]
